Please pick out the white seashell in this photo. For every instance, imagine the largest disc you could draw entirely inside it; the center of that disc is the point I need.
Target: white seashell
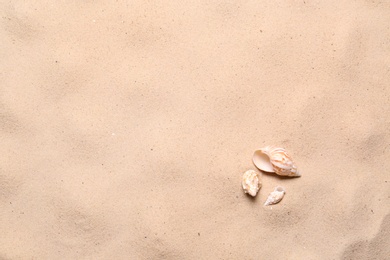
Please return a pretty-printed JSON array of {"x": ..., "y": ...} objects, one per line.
[
  {"x": 275, "y": 196},
  {"x": 273, "y": 159},
  {"x": 251, "y": 182}
]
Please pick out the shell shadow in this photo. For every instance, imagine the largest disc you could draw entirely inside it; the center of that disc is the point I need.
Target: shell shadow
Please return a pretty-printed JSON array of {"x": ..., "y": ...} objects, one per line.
[
  {"x": 253, "y": 199},
  {"x": 274, "y": 175}
]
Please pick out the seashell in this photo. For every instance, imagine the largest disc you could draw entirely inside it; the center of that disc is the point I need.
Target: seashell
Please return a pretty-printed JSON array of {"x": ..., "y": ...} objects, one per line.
[
  {"x": 273, "y": 159},
  {"x": 251, "y": 182},
  {"x": 275, "y": 196}
]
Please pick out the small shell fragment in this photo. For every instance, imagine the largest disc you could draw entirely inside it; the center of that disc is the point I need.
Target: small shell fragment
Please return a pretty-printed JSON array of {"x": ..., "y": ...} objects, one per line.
[
  {"x": 273, "y": 159},
  {"x": 251, "y": 182},
  {"x": 275, "y": 196}
]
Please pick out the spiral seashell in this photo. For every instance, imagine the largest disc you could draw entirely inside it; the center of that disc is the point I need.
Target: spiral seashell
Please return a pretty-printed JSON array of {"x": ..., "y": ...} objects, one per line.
[
  {"x": 251, "y": 182},
  {"x": 276, "y": 196},
  {"x": 273, "y": 159}
]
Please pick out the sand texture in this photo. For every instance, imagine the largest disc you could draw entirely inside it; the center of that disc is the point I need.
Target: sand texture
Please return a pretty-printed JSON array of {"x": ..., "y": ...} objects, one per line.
[{"x": 126, "y": 126}]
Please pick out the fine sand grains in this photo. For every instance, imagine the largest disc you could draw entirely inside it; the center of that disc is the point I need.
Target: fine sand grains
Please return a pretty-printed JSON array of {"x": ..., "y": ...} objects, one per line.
[{"x": 188, "y": 89}]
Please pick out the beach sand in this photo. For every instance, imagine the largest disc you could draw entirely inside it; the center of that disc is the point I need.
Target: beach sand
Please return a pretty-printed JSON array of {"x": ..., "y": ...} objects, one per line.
[{"x": 126, "y": 127}]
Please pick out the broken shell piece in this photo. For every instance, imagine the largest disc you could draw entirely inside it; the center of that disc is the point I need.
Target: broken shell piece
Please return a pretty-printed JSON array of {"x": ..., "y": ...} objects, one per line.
[
  {"x": 251, "y": 182},
  {"x": 273, "y": 159},
  {"x": 275, "y": 196}
]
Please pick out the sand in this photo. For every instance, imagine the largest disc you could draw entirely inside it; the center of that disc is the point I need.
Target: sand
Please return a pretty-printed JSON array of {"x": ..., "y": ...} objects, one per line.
[{"x": 126, "y": 127}]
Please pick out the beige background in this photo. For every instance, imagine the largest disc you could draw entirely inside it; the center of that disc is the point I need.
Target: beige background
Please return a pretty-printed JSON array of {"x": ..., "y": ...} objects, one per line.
[{"x": 126, "y": 127}]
